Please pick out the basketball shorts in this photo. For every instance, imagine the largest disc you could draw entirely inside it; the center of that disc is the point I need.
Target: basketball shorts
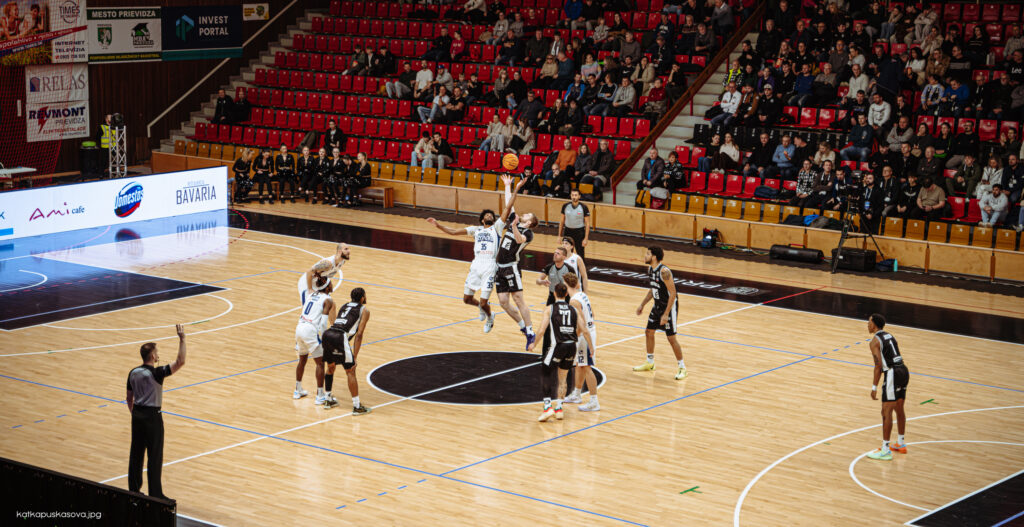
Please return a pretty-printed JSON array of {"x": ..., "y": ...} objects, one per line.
[
  {"x": 338, "y": 349},
  {"x": 583, "y": 356},
  {"x": 894, "y": 385},
  {"x": 307, "y": 341},
  {"x": 480, "y": 278},
  {"x": 654, "y": 320},
  {"x": 508, "y": 279},
  {"x": 561, "y": 355}
]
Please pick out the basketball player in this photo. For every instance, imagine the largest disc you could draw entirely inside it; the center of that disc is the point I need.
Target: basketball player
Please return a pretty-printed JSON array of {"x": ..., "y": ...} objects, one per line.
[
  {"x": 565, "y": 325},
  {"x": 327, "y": 267},
  {"x": 342, "y": 342},
  {"x": 481, "y": 271},
  {"x": 312, "y": 322},
  {"x": 663, "y": 314},
  {"x": 576, "y": 262},
  {"x": 585, "y": 355},
  {"x": 518, "y": 234},
  {"x": 889, "y": 362}
]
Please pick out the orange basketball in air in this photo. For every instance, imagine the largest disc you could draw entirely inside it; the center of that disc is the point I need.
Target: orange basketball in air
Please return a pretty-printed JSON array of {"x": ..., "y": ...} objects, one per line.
[{"x": 510, "y": 162}]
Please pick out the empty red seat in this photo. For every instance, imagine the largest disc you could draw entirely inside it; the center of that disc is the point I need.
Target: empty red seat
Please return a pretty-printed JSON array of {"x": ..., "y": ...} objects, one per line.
[
  {"x": 990, "y": 12},
  {"x": 970, "y": 12},
  {"x": 716, "y": 183},
  {"x": 698, "y": 182},
  {"x": 793, "y": 112},
  {"x": 973, "y": 212},
  {"x": 643, "y": 128},
  {"x": 200, "y": 133},
  {"x": 749, "y": 185},
  {"x": 683, "y": 154},
  {"x": 1011, "y": 12},
  {"x": 622, "y": 150},
  {"x": 610, "y": 126},
  {"x": 625, "y": 127},
  {"x": 733, "y": 185},
  {"x": 809, "y": 117}
]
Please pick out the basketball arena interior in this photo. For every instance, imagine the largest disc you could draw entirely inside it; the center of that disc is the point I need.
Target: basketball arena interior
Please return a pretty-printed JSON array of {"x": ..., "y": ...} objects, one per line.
[{"x": 722, "y": 262}]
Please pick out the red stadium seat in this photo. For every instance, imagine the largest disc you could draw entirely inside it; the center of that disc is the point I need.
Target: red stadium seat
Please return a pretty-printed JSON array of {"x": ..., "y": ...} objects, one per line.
[
  {"x": 973, "y": 212},
  {"x": 970, "y": 13},
  {"x": 958, "y": 208},
  {"x": 733, "y": 185},
  {"x": 610, "y": 126},
  {"x": 698, "y": 182},
  {"x": 595, "y": 123},
  {"x": 716, "y": 183},
  {"x": 749, "y": 185},
  {"x": 683, "y": 154},
  {"x": 990, "y": 12},
  {"x": 809, "y": 117},
  {"x": 643, "y": 128}
]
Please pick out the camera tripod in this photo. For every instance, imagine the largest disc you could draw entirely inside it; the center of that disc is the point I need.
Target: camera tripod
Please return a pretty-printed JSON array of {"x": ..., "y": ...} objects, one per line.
[{"x": 846, "y": 235}]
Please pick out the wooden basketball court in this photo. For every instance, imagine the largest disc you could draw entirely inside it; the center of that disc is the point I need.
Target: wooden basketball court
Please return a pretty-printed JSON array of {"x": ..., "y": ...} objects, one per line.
[{"x": 770, "y": 427}]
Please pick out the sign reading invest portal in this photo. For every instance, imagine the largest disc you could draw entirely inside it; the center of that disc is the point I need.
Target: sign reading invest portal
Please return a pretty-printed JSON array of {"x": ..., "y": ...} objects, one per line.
[
  {"x": 202, "y": 32},
  {"x": 124, "y": 34}
]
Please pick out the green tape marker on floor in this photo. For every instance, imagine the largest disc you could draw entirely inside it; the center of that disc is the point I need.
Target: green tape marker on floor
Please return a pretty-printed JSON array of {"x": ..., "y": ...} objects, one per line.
[
  {"x": 694, "y": 489},
  {"x": 930, "y": 401}
]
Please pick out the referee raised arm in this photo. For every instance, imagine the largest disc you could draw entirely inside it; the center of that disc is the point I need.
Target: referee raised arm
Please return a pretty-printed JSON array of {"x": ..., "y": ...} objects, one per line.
[{"x": 145, "y": 394}]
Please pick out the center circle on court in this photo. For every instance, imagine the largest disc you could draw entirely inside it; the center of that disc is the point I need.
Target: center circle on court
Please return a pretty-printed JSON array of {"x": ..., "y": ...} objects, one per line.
[{"x": 465, "y": 377}]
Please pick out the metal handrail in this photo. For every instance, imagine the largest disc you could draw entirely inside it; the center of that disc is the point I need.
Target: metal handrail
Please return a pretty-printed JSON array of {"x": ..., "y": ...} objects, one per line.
[
  {"x": 149, "y": 127},
  {"x": 687, "y": 97}
]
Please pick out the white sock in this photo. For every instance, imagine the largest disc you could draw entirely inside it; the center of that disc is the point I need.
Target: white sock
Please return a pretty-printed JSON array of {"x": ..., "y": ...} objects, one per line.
[
  {"x": 885, "y": 445},
  {"x": 320, "y": 391},
  {"x": 576, "y": 392},
  {"x": 355, "y": 401},
  {"x": 682, "y": 364},
  {"x": 650, "y": 358},
  {"x": 902, "y": 442},
  {"x": 547, "y": 402},
  {"x": 529, "y": 330},
  {"x": 298, "y": 386},
  {"x": 522, "y": 325},
  {"x": 593, "y": 399},
  {"x": 558, "y": 404}
]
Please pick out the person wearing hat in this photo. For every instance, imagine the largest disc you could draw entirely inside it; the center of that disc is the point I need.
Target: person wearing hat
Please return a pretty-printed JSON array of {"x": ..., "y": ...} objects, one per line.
[{"x": 769, "y": 107}]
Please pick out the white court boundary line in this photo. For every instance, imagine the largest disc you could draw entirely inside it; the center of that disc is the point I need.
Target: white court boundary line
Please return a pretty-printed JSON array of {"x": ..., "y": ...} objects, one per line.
[
  {"x": 961, "y": 498},
  {"x": 880, "y": 495},
  {"x": 750, "y": 485},
  {"x": 231, "y": 306},
  {"x": 180, "y": 515},
  {"x": 153, "y": 339},
  {"x": 45, "y": 278}
]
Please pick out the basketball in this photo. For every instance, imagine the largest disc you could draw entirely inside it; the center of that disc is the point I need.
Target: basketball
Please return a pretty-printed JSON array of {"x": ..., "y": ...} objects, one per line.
[{"x": 510, "y": 161}]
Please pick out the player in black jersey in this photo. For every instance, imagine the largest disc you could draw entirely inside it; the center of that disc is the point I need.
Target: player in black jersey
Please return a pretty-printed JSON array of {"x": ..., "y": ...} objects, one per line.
[
  {"x": 663, "y": 314},
  {"x": 507, "y": 279},
  {"x": 341, "y": 343},
  {"x": 565, "y": 324},
  {"x": 888, "y": 362}
]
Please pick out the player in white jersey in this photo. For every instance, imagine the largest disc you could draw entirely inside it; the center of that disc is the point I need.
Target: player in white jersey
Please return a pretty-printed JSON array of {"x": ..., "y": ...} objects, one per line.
[
  {"x": 317, "y": 314},
  {"x": 585, "y": 354},
  {"x": 575, "y": 261},
  {"x": 481, "y": 272},
  {"x": 329, "y": 267}
]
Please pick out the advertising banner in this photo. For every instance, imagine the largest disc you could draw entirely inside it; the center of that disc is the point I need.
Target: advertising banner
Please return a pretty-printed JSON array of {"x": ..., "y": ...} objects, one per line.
[
  {"x": 254, "y": 12},
  {"x": 124, "y": 34},
  {"x": 201, "y": 32},
  {"x": 53, "y": 121},
  {"x": 57, "y": 83},
  {"x": 42, "y": 32},
  {"x": 48, "y": 210}
]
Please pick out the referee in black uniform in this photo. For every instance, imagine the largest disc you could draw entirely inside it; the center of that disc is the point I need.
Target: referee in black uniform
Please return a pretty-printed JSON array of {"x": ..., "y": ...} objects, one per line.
[
  {"x": 575, "y": 223},
  {"x": 145, "y": 394}
]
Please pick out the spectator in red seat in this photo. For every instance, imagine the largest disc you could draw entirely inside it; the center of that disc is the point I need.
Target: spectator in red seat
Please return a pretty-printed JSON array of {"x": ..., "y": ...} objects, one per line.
[
  {"x": 440, "y": 49},
  {"x": 824, "y": 153},
  {"x": 871, "y": 204},
  {"x": 241, "y": 109},
  {"x": 879, "y": 115},
  {"x": 457, "y": 50},
  {"x": 584, "y": 163},
  {"x": 652, "y": 172},
  {"x": 511, "y": 50},
  {"x": 382, "y": 63},
  {"x": 601, "y": 170},
  {"x": 442, "y": 153},
  {"x": 728, "y": 156},
  {"x": 721, "y": 19},
  {"x": 536, "y": 49},
  {"x": 964, "y": 143},
  {"x": 518, "y": 25},
  {"x": 802, "y": 87},
  {"x": 643, "y": 76},
  {"x": 421, "y": 150},
  {"x": 704, "y": 42},
  {"x": 993, "y": 101},
  {"x": 623, "y": 100},
  {"x": 437, "y": 107},
  {"x": 936, "y": 65},
  {"x": 555, "y": 119},
  {"x": 760, "y": 158},
  {"x": 821, "y": 187},
  {"x": 530, "y": 110},
  {"x": 931, "y": 96},
  {"x": 547, "y": 74},
  {"x": 955, "y": 99},
  {"x": 424, "y": 81},
  {"x": 501, "y": 25},
  {"x": 572, "y": 123},
  {"x": 523, "y": 139},
  {"x": 566, "y": 71},
  {"x": 993, "y": 173},
  {"x": 676, "y": 84},
  {"x": 882, "y": 158},
  {"x": 629, "y": 47},
  {"x": 923, "y": 23},
  {"x": 824, "y": 86},
  {"x": 783, "y": 160},
  {"x": 517, "y": 90},
  {"x": 401, "y": 87},
  {"x": 785, "y": 17},
  {"x": 929, "y": 166},
  {"x": 907, "y": 197},
  {"x": 921, "y": 141},
  {"x": 222, "y": 111},
  {"x": 578, "y": 89},
  {"x": 498, "y": 135},
  {"x": 768, "y": 108},
  {"x": 976, "y": 46},
  {"x": 913, "y": 69},
  {"x": 657, "y": 103},
  {"x": 333, "y": 138},
  {"x": 677, "y": 178},
  {"x": 899, "y": 134},
  {"x": 966, "y": 179},
  {"x": 906, "y": 162}
]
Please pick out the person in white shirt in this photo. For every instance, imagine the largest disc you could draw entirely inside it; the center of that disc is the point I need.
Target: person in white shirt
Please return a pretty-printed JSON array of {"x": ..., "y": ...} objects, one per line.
[
  {"x": 730, "y": 105},
  {"x": 858, "y": 81},
  {"x": 316, "y": 316},
  {"x": 878, "y": 114},
  {"x": 328, "y": 267},
  {"x": 424, "y": 78},
  {"x": 993, "y": 206},
  {"x": 585, "y": 354}
]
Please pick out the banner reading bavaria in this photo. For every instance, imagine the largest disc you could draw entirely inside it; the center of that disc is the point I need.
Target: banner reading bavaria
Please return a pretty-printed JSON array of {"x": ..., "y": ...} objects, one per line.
[
  {"x": 42, "y": 32},
  {"x": 124, "y": 34},
  {"x": 201, "y": 32}
]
